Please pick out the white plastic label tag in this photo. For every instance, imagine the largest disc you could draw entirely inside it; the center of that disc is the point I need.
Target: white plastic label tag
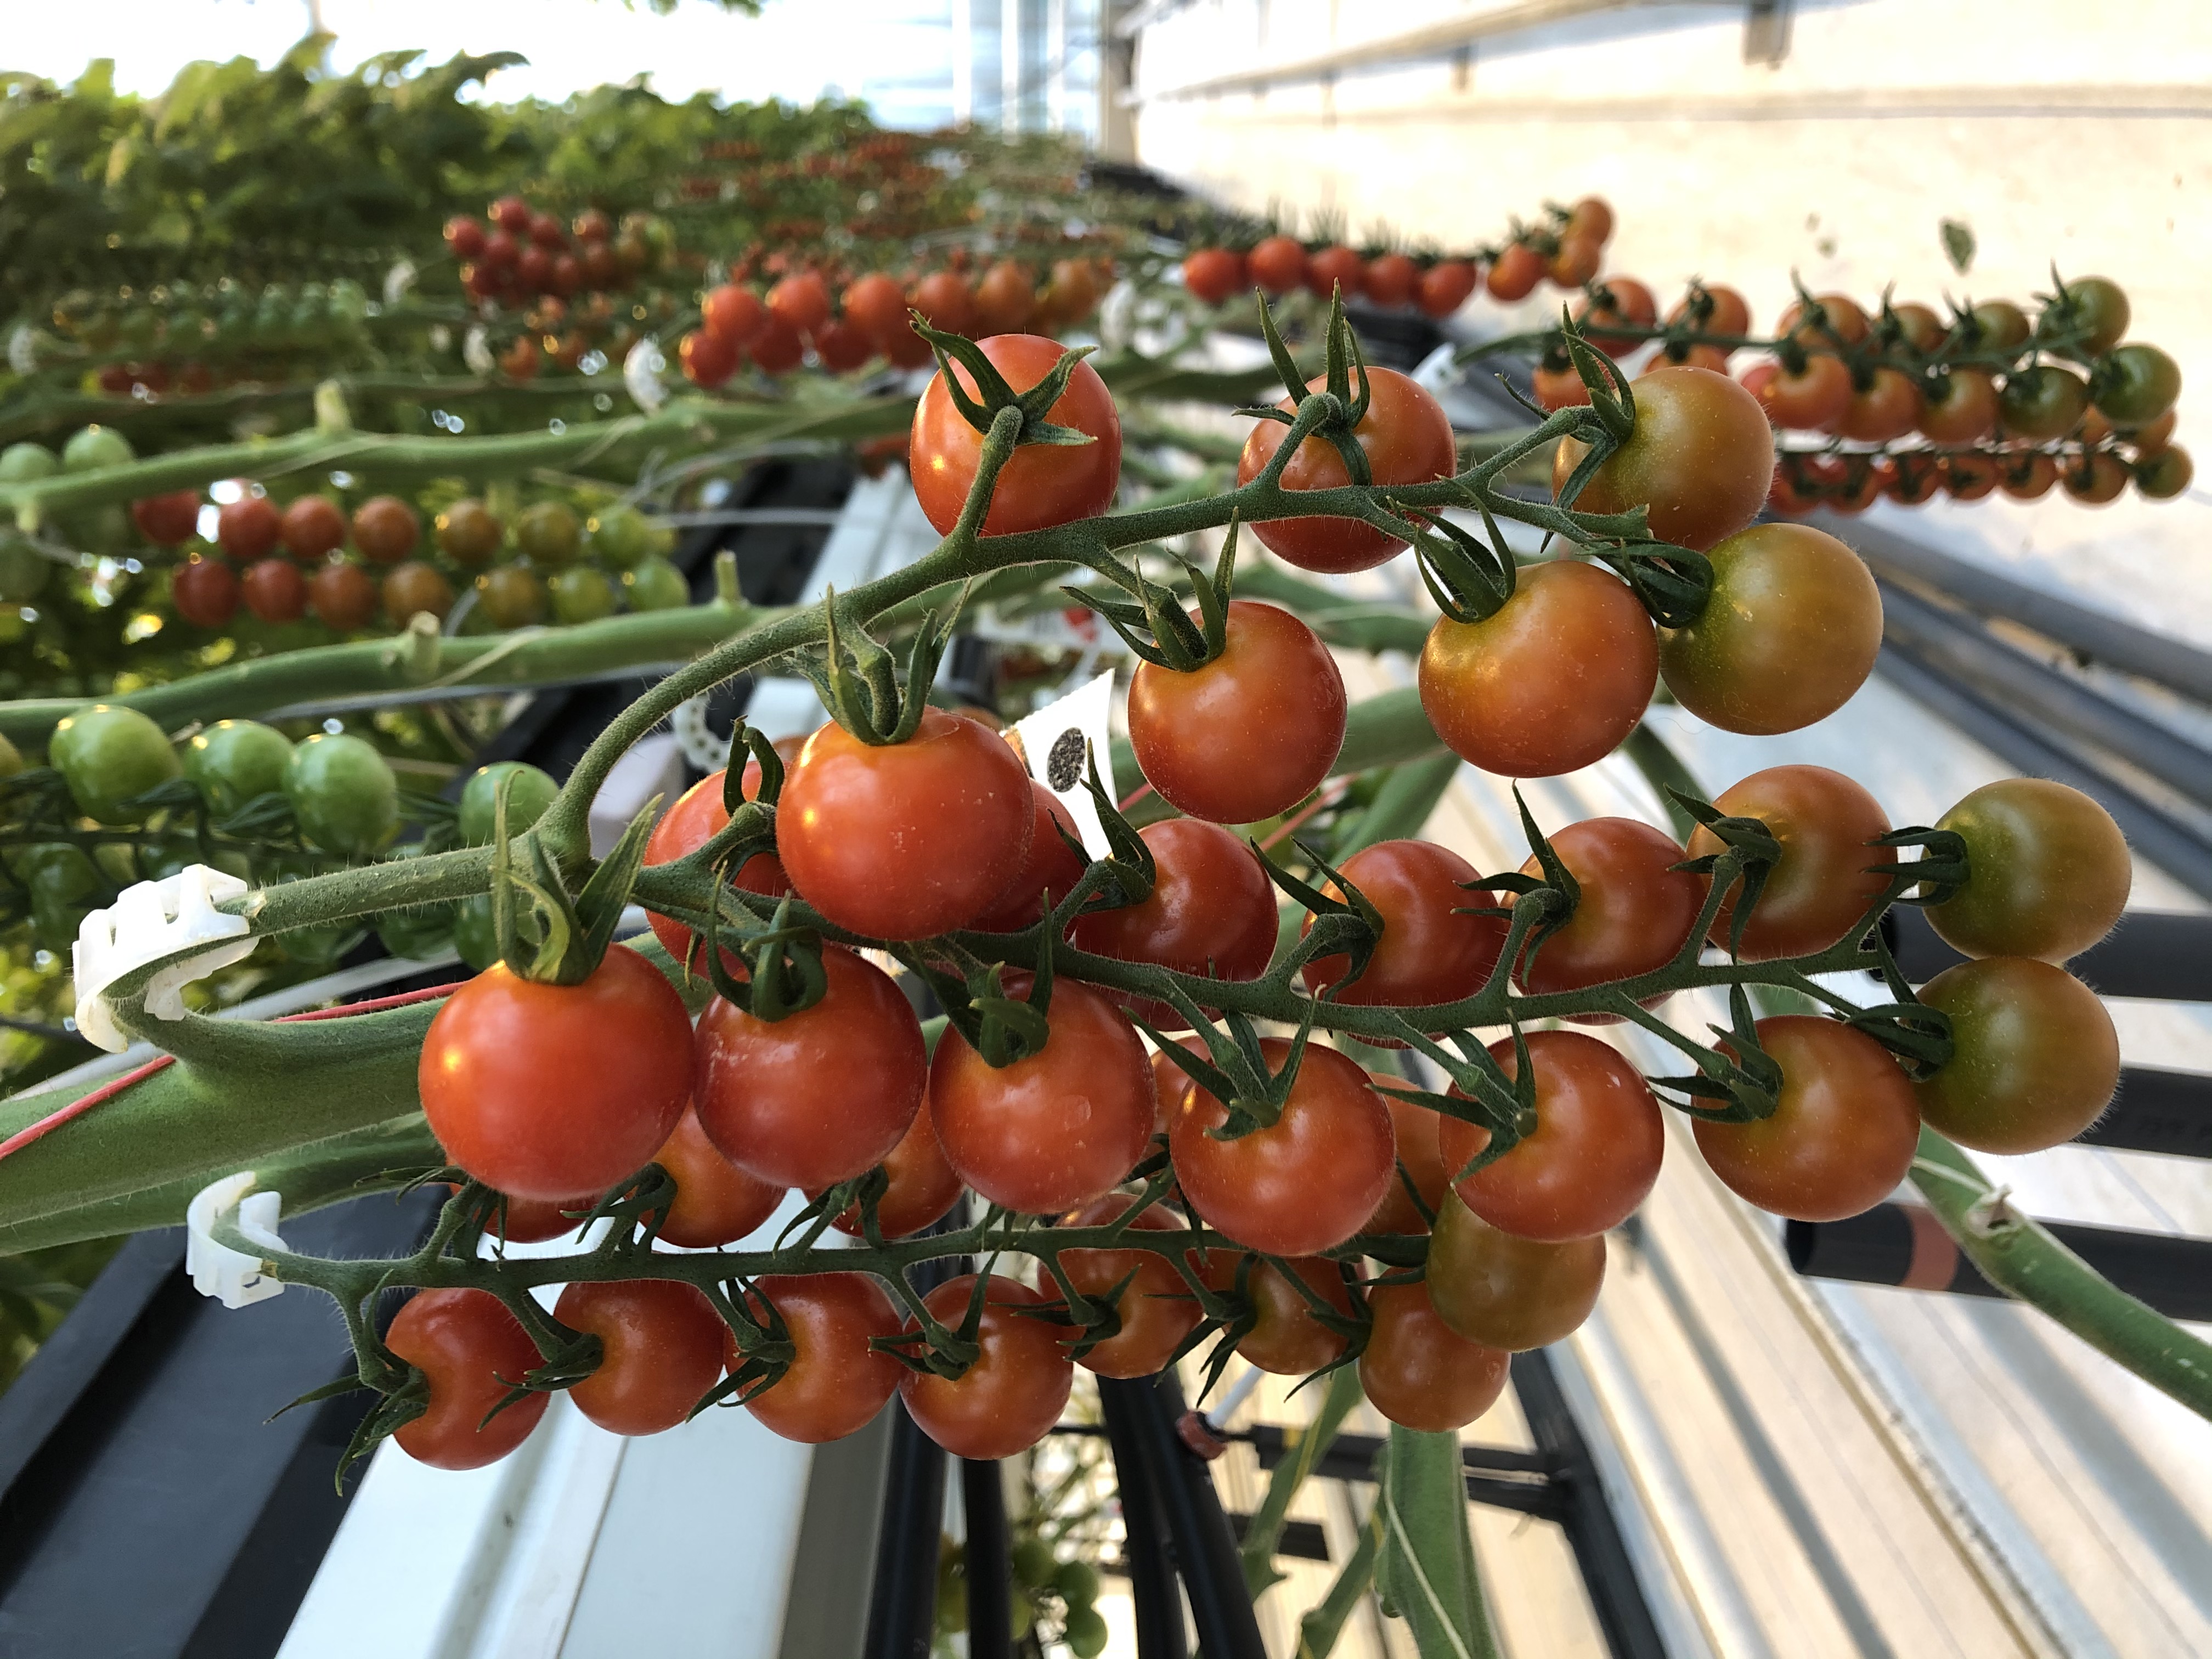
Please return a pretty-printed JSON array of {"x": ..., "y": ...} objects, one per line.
[
  {"x": 147, "y": 922},
  {"x": 1057, "y": 741},
  {"x": 232, "y": 1277}
]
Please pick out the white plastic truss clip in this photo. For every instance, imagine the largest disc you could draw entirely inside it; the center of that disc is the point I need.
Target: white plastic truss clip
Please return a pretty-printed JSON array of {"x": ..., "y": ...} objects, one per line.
[
  {"x": 147, "y": 921},
  {"x": 232, "y": 1277}
]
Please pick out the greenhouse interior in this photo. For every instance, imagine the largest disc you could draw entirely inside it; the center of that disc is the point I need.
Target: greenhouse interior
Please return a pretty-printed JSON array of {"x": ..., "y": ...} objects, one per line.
[{"x": 1571, "y": 639}]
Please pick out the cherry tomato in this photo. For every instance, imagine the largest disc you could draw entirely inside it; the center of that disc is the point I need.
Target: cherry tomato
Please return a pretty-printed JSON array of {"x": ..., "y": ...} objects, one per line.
[
  {"x": 1829, "y": 874},
  {"x": 1590, "y": 217},
  {"x": 1910, "y": 479},
  {"x": 343, "y": 596},
  {"x": 1277, "y": 264},
  {"x": 905, "y": 841},
  {"x": 1811, "y": 400},
  {"x": 550, "y": 534},
  {"x": 471, "y": 1352},
  {"x": 1408, "y": 440},
  {"x": 1006, "y": 300},
  {"x": 1306, "y": 1183},
  {"x": 546, "y": 1090},
  {"x": 1917, "y": 326},
  {"x": 1009, "y": 1399},
  {"x": 465, "y": 235},
  {"x": 1964, "y": 412},
  {"x": 2042, "y": 402},
  {"x": 876, "y": 304},
  {"x": 697, "y": 817},
  {"x": 1432, "y": 950},
  {"x": 247, "y": 528},
  {"x": 1448, "y": 285},
  {"x": 1591, "y": 1157},
  {"x": 661, "y": 1344},
  {"x": 416, "y": 588},
  {"x": 205, "y": 593},
  {"x": 818, "y": 1096},
  {"x": 1889, "y": 407},
  {"x": 1830, "y": 318},
  {"x": 511, "y": 597},
  {"x": 2164, "y": 474},
  {"x": 169, "y": 521},
  {"x": 2027, "y": 475},
  {"x": 716, "y": 1202},
  {"x": 1969, "y": 476},
  {"x": 1212, "y": 911},
  {"x": 1842, "y": 1135},
  {"x": 1628, "y": 303},
  {"x": 1700, "y": 459},
  {"x": 1576, "y": 261},
  {"x": 1711, "y": 359},
  {"x": 1635, "y": 912},
  {"x": 1273, "y": 700},
  {"x": 1414, "y": 1129},
  {"x": 801, "y": 301},
  {"x": 312, "y": 527},
  {"x": 2098, "y": 308},
  {"x": 1506, "y": 1291},
  {"x": 1336, "y": 268},
  {"x": 2137, "y": 384},
  {"x": 2048, "y": 871},
  {"x": 1790, "y": 633},
  {"x": 840, "y": 348},
  {"x": 2095, "y": 479},
  {"x": 835, "y": 1383},
  {"x": 709, "y": 359},
  {"x": 107, "y": 756},
  {"x": 1392, "y": 279},
  {"x": 736, "y": 315},
  {"x": 386, "y": 529},
  {"x": 275, "y": 591},
  {"x": 922, "y": 1188},
  {"x": 779, "y": 348},
  {"x": 947, "y": 304},
  {"x": 1157, "y": 1310},
  {"x": 1041, "y": 485},
  {"x": 1052, "y": 867},
  {"x": 1516, "y": 272},
  {"x": 1286, "y": 1339},
  {"x": 1711, "y": 308},
  {"x": 2034, "y": 1059},
  {"x": 511, "y": 214},
  {"x": 1553, "y": 681},
  {"x": 1057, "y": 1128},
  {"x": 1419, "y": 1372}
]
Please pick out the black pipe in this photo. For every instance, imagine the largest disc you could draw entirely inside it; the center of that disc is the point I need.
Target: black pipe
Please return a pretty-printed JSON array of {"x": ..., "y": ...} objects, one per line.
[
  {"x": 903, "y": 1606},
  {"x": 990, "y": 1562},
  {"x": 2161, "y": 954},
  {"x": 1204, "y": 1546},
  {"x": 1153, "y": 1595}
]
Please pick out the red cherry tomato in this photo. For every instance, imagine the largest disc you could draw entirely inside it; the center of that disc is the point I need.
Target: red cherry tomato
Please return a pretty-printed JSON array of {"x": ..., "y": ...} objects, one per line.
[
  {"x": 1635, "y": 911},
  {"x": 802, "y": 301},
  {"x": 908, "y": 840},
  {"x": 1213, "y": 275},
  {"x": 709, "y": 359},
  {"x": 1392, "y": 279},
  {"x": 1306, "y": 1183},
  {"x": 1723, "y": 310},
  {"x": 1552, "y": 682},
  {"x": 1829, "y": 873},
  {"x": 1419, "y": 1372},
  {"x": 1841, "y": 1137},
  {"x": 1057, "y": 1128},
  {"x": 947, "y": 304},
  {"x": 1447, "y": 286},
  {"x": 1286, "y": 1339},
  {"x": 1630, "y": 305},
  {"x": 386, "y": 529},
  {"x": 547, "y": 1091},
  {"x": 275, "y": 591},
  {"x": 922, "y": 1188},
  {"x": 246, "y": 529},
  {"x": 835, "y": 1383},
  {"x": 734, "y": 314},
  {"x": 1590, "y": 1159},
  {"x": 1277, "y": 264},
  {"x": 1516, "y": 272},
  {"x": 1251, "y": 733},
  {"x": 1157, "y": 1310},
  {"x": 471, "y": 1352},
  {"x": 537, "y": 1220},
  {"x": 1408, "y": 440},
  {"x": 1006, "y": 300},
  {"x": 779, "y": 348},
  {"x": 1576, "y": 261},
  {"x": 1967, "y": 413},
  {"x": 818, "y": 1096},
  {"x": 840, "y": 347},
  {"x": 342, "y": 596},
  {"x": 312, "y": 527},
  {"x": 697, "y": 817},
  {"x": 1432, "y": 950},
  {"x": 1211, "y": 910},
  {"x": 1830, "y": 317},
  {"x": 1812, "y": 399},
  {"x": 661, "y": 1351},
  {"x": 465, "y": 235},
  {"x": 716, "y": 1202},
  {"x": 1052, "y": 867},
  {"x": 876, "y": 305},
  {"x": 169, "y": 521},
  {"x": 1700, "y": 459},
  {"x": 1889, "y": 408},
  {"x": 1043, "y": 484},
  {"x": 511, "y": 214},
  {"x": 205, "y": 593},
  {"x": 1010, "y": 1398},
  {"x": 1336, "y": 268}
]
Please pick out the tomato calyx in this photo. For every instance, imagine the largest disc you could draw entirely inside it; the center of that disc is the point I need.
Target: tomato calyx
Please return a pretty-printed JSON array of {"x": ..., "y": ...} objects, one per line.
[
  {"x": 1350, "y": 926},
  {"x": 1742, "y": 1077},
  {"x": 1168, "y": 638},
  {"x": 1749, "y": 852},
  {"x": 544, "y": 934},
  {"x": 934, "y": 1349},
  {"x": 997, "y": 395},
  {"x": 1919, "y": 1036},
  {"x": 784, "y": 974},
  {"x": 1333, "y": 415},
  {"x": 1234, "y": 1068},
  {"x": 858, "y": 683},
  {"x": 1552, "y": 896},
  {"x": 1469, "y": 579},
  {"x": 765, "y": 1345},
  {"x": 1943, "y": 868}
]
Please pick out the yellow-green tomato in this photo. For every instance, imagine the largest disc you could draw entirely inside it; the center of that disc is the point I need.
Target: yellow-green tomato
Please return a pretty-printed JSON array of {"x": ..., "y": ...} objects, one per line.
[
  {"x": 657, "y": 585},
  {"x": 343, "y": 795},
  {"x": 1789, "y": 633},
  {"x": 583, "y": 594},
  {"x": 1506, "y": 1291},
  {"x": 107, "y": 755},
  {"x": 2034, "y": 1057},
  {"x": 232, "y": 761},
  {"x": 2047, "y": 872}
]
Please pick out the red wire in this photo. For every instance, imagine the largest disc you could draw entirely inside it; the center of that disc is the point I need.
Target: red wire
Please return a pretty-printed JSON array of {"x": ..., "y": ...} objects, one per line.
[{"x": 54, "y": 1120}]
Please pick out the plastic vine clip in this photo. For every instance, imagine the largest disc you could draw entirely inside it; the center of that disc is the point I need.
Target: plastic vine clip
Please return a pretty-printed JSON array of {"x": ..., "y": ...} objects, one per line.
[
  {"x": 232, "y": 1277},
  {"x": 147, "y": 922}
]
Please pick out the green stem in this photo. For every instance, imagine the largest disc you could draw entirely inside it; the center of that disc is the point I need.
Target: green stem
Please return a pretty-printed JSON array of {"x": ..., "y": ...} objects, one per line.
[
  {"x": 1265, "y": 1531},
  {"x": 1318, "y": 1630},
  {"x": 1427, "y": 1553}
]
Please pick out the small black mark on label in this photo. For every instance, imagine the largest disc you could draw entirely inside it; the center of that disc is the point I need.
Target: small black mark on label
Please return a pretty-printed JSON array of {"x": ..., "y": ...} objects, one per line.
[{"x": 1063, "y": 761}]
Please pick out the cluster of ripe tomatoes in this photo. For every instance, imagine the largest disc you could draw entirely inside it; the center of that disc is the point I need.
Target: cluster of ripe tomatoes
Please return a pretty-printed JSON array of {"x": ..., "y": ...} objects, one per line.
[
  {"x": 871, "y": 316},
  {"x": 1568, "y": 248},
  {"x": 944, "y": 831}
]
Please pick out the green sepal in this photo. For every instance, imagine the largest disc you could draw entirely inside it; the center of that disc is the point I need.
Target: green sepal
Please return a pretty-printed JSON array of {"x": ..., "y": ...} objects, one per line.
[
  {"x": 785, "y": 975},
  {"x": 997, "y": 394},
  {"x": 1753, "y": 846},
  {"x": 1673, "y": 582},
  {"x": 1469, "y": 579},
  {"x": 1943, "y": 868},
  {"x": 1351, "y": 925}
]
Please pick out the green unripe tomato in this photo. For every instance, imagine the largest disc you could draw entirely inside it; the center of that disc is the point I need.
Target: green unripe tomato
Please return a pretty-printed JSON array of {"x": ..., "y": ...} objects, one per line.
[
  {"x": 1077, "y": 1582},
  {"x": 24, "y": 571},
  {"x": 584, "y": 594},
  {"x": 62, "y": 883},
  {"x": 2047, "y": 872},
  {"x": 657, "y": 585},
  {"x": 104, "y": 529},
  {"x": 343, "y": 796},
  {"x": 1506, "y": 1291},
  {"x": 1086, "y": 1633},
  {"x": 2137, "y": 384},
  {"x": 622, "y": 536},
  {"x": 2003, "y": 324},
  {"x": 531, "y": 793},
  {"x": 2097, "y": 306},
  {"x": 475, "y": 936},
  {"x": 2158, "y": 478},
  {"x": 419, "y": 934},
  {"x": 2034, "y": 1057},
  {"x": 11, "y": 759},
  {"x": 234, "y": 761},
  {"x": 549, "y": 533},
  {"x": 1033, "y": 1563},
  {"x": 2044, "y": 402},
  {"x": 27, "y": 463},
  {"x": 95, "y": 447},
  {"x": 107, "y": 755}
]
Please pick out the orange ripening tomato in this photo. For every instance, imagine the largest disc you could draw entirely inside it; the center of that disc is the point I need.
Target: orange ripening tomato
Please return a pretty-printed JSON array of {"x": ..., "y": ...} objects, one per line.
[
  {"x": 1213, "y": 275},
  {"x": 1157, "y": 1310},
  {"x": 661, "y": 1351},
  {"x": 1041, "y": 484},
  {"x": 1420, "y": 1373},
  {"x": 1699, "y": 460},
  {"x": 1829, "y": 872},
  {"x": 1009, "y": 1399},
  {"x": 1433, "y": 949},
  {"x": 1286, "y": 1339},
  {"x": 1635, "y": 912},
  {"x": 835, "y": 1383},
  {"x": 922, "y": 1186},
  {"x": 716, "y": 1202}
]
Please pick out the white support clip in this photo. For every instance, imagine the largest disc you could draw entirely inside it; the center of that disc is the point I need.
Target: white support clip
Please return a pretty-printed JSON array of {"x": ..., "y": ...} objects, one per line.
[
  {"x": 147, "y": 921},
  {"x": 232, "y": 1277}
]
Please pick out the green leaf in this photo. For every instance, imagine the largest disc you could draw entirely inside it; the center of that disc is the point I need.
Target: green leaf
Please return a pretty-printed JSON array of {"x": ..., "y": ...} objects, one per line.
[{"x": 1958, "y": 244}]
